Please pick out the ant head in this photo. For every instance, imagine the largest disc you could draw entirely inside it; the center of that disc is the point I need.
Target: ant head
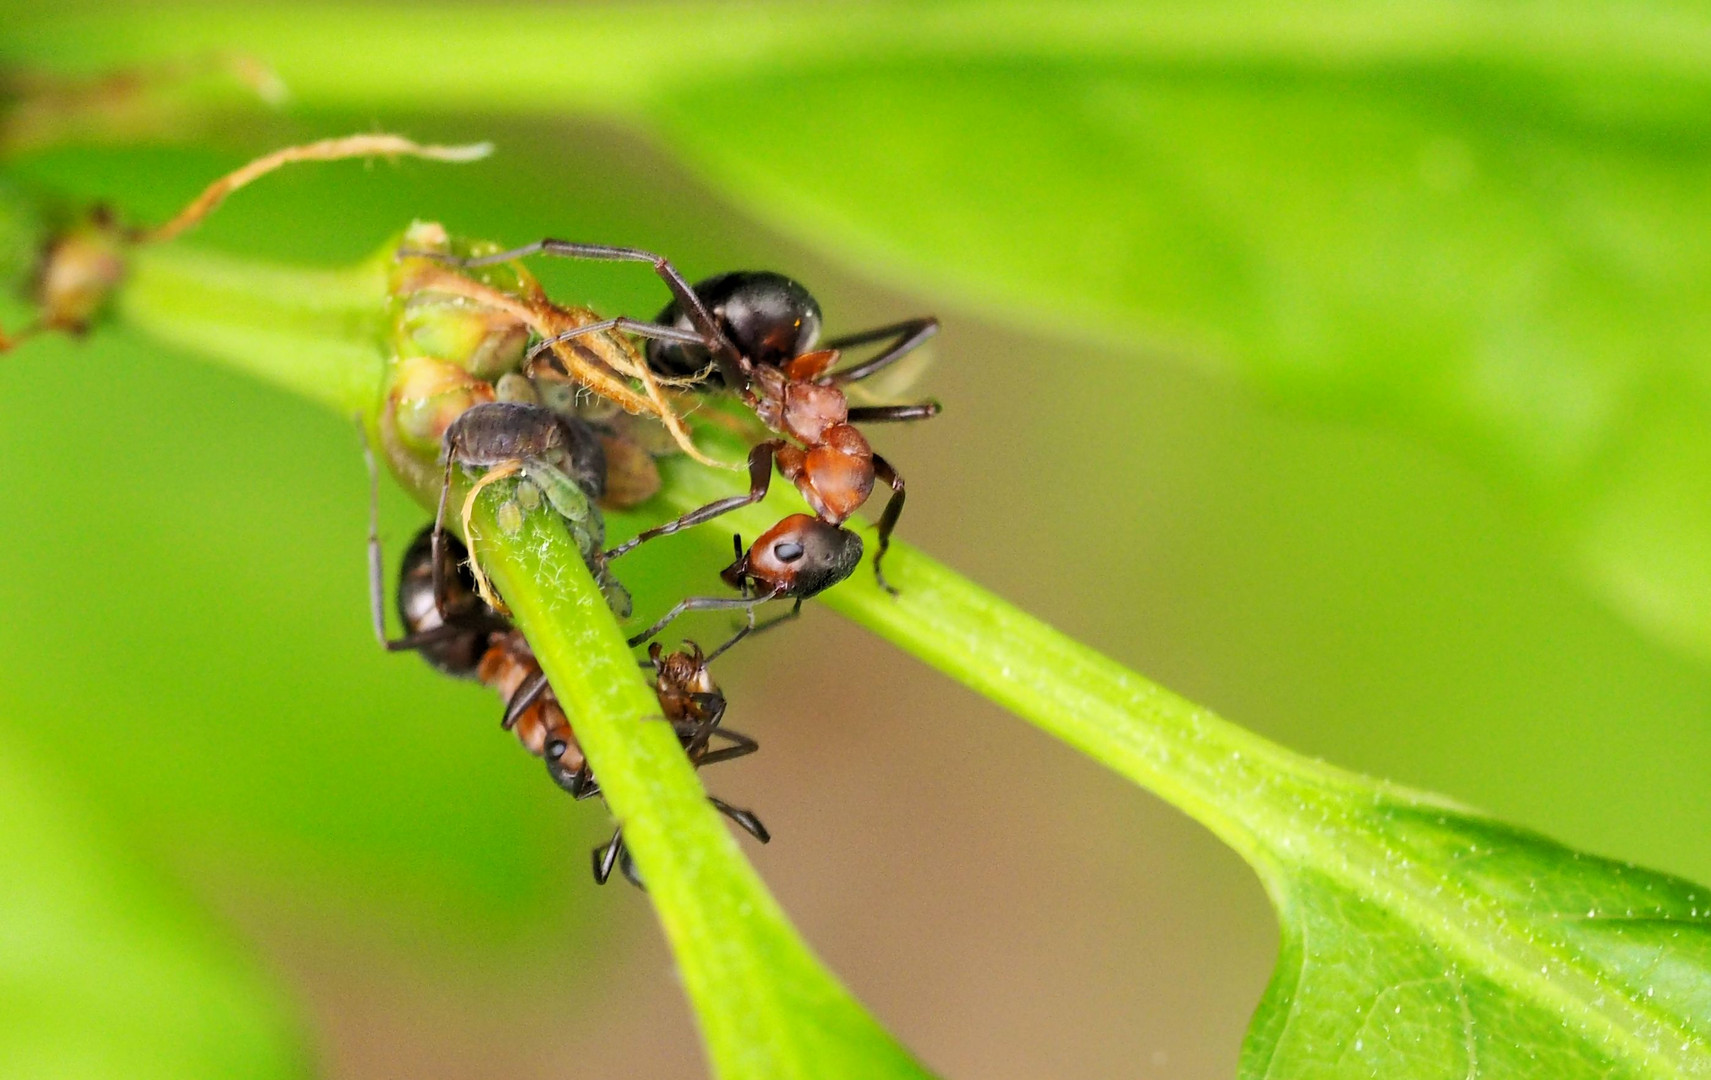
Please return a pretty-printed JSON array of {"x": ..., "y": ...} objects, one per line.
[
  {"x": 566, "y": 765},
  {"x": 459, "y": 655},
  {"x": 768, "y": 317},
  {"x": 800, "y": 557}
]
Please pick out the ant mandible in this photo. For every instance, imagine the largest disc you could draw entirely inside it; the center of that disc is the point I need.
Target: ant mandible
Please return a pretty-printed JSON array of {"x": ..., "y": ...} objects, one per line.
[
  {"x": 448, "y": 625},
  {"x": 759, "y": 330}
]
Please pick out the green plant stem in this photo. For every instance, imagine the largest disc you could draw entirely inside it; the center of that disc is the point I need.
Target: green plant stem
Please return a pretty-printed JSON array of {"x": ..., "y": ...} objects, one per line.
[
  {"x": 313, "y": 332},
  {"x": 743, "y": 963},
  {"x": 1255, "y": 795},
  {"x": 1318, "y": 837},
  {"x": 295, "y": 327}
]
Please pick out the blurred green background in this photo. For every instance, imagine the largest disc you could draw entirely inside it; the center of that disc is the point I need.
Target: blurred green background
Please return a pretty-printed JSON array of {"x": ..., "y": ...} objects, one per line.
[{"x": 1359, "y": 395}]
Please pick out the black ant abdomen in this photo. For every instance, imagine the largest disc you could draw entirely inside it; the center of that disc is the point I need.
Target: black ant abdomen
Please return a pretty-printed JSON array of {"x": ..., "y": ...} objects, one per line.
[
  {"x": 769, "y": 318},
  {"x": 454, "y": 633}
]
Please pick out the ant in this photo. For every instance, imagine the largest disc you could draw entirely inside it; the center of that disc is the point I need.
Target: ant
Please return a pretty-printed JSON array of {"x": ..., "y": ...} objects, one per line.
[
  {"x": 694, "y": 706},
  {"x": 759, "y": 330},
  {"x": 449, "y": 626}
]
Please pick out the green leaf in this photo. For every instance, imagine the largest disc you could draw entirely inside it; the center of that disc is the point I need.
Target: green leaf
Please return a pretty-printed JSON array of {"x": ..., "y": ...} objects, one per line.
[
  {"x": 1487, "y": 952},
  {"x": 103, "y": 973}
]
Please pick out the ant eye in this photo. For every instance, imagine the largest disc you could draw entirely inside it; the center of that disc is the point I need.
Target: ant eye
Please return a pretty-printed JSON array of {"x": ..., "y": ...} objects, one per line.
[
  {"x": 787, "y": 551},
  {"x": 556, "y": 749}
]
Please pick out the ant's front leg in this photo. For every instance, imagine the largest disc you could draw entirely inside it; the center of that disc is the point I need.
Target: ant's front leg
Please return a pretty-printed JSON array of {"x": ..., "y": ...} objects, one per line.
[
  {"x": 760, "y": 479},
  {"x": 630, "y": 326},
  {"x": 700, "y": 603},
  {"x": 731, "y": 363},
  {"x": 888, "y": 517}
]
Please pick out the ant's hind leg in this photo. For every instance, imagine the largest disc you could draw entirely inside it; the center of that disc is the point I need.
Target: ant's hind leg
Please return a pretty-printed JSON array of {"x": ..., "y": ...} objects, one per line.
[
  {"x": 377, "y": 579},
  {"x": 888, "y": 517},
  {"x": 745, "y": 819},
  {"x": 741, "y": 746},
  {"x": 606, "y": 857}
]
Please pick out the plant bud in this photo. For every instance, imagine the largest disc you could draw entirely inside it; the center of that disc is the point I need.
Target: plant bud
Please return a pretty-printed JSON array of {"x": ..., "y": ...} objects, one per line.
[{"x": 427, "y": 395}]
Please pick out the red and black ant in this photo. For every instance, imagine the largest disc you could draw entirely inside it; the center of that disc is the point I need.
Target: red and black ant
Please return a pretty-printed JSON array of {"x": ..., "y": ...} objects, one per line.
[
  {"x": 447, "y": 623},
  {"x": 759, "y": 330}
]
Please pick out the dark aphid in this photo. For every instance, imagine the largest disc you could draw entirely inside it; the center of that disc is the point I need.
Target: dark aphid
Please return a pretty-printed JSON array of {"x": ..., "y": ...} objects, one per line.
[{"x": 559, "y": 454}]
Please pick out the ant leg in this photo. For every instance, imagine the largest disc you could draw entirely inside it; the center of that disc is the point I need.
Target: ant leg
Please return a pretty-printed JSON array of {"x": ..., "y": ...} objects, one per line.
[
  {"x": 747, "y": 629},
  {"x": 632, "y": 326},
  {"x": 527, "y": 694},
  {"x": 731, "y": 363},
  {"x": 628, "y": 866},
  {"x": 745, "y": 819},
  {"x": 712, "y": 708},
  {"x": 883, "y": 414},
  {"x": 377, "y": 578},
  {"x": 760, "y": 479},
  {"x": 741, "y": 746},
  {"x": 909, "y": 336},
  {"x": 888, "y": 517},
  {"x": 376, "y": 560},
  {"x": 437, "y": 545},
  {"x": 794, "y": 613},
  {"x": 699, "y": 603},
  {"x": 606, "y": 857}
]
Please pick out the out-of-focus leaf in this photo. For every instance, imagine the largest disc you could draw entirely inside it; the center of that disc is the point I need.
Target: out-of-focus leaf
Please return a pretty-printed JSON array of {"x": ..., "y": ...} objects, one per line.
[
  {"x": 1491, "y": 249},
  {"x": 1472, "y": 221},
  {"x": 102, "y": 972}
]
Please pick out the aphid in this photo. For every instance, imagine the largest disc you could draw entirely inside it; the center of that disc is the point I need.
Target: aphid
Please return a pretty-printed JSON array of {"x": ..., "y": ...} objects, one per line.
[
  {"x": 449, "y": 626},
  {"x": 560, "y": 455},
  {"x": 80, "y": 266},
  {"x": 758, "y": 331}
]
